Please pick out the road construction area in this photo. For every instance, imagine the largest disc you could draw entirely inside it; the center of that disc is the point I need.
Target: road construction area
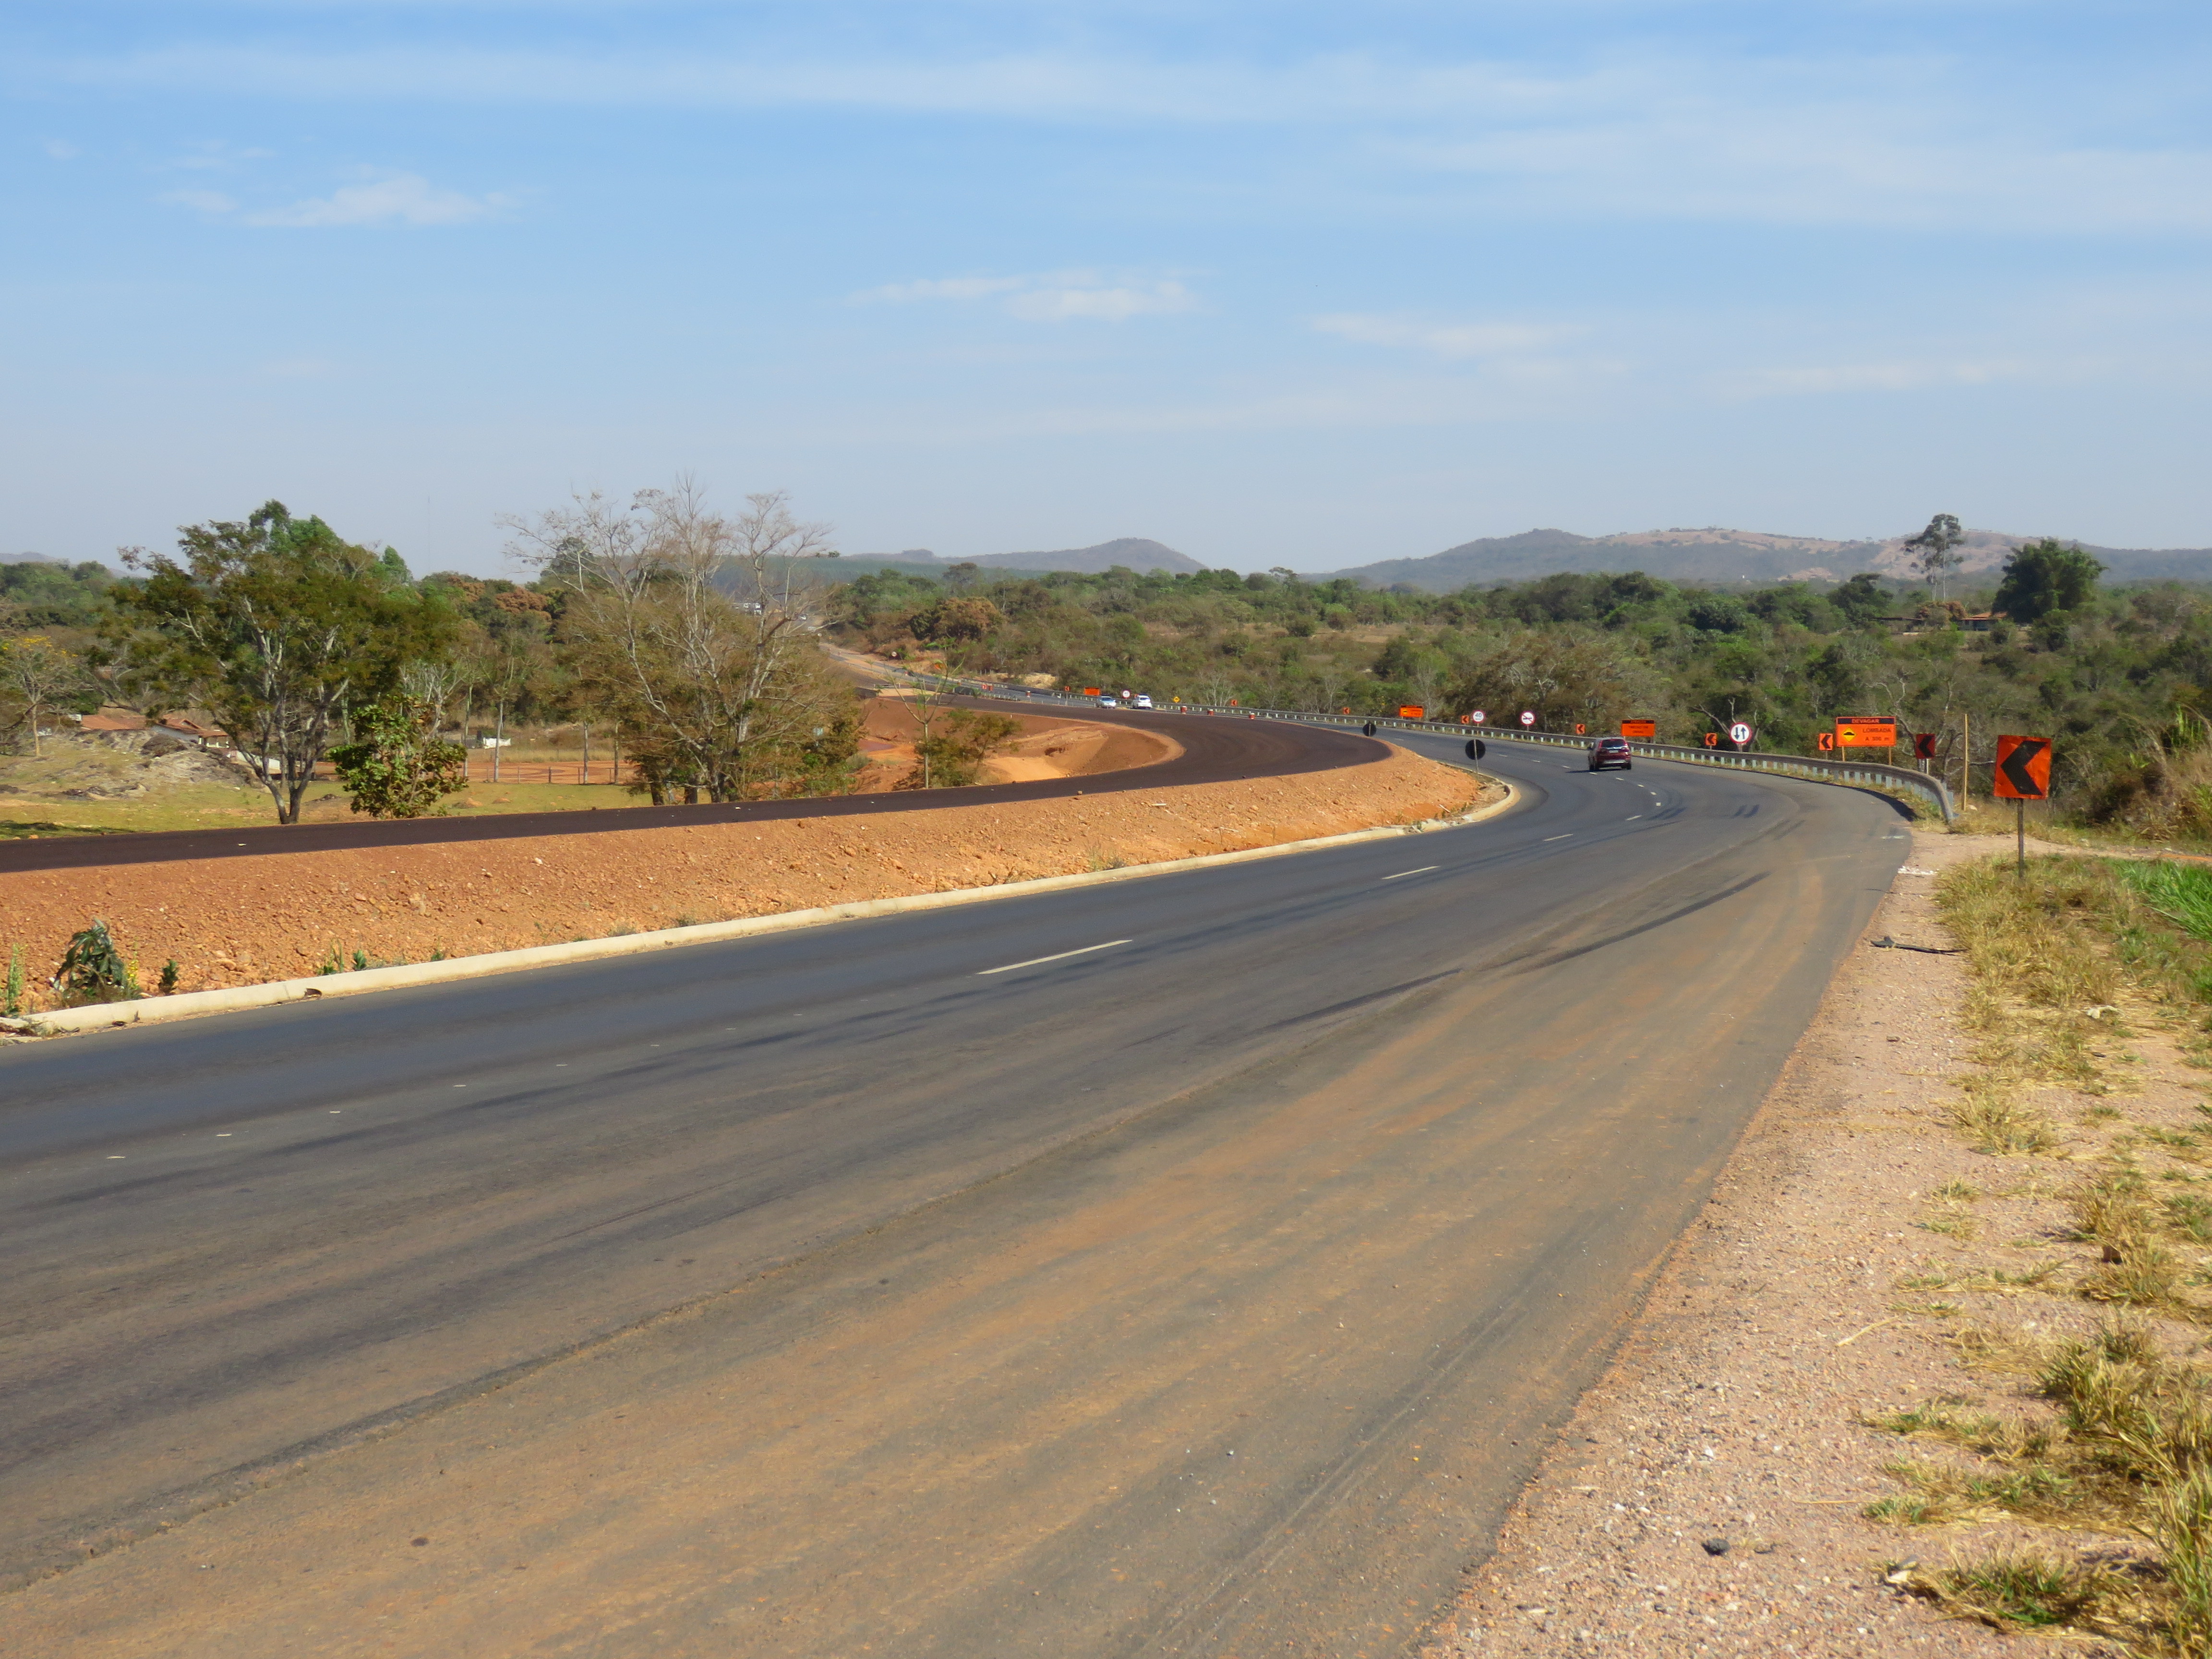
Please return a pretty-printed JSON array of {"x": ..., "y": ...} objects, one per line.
[
  {"x": 232, "y": 907},
  {"x": 1194, "y": 1265}
]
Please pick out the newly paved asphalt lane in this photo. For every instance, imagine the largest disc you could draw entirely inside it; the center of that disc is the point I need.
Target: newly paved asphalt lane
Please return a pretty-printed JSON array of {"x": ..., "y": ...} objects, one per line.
[
  {"x": 1213, "y": 750},
  {"x": 1190, "y": 1265}
]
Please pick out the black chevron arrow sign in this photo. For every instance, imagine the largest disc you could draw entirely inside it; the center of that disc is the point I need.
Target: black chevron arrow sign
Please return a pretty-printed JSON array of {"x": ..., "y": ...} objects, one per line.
[{"x": 2015, "y": 765}]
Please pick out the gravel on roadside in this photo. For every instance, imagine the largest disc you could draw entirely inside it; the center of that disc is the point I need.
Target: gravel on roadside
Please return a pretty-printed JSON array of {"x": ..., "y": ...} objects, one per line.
[{"x": 1705, "y": 1496}]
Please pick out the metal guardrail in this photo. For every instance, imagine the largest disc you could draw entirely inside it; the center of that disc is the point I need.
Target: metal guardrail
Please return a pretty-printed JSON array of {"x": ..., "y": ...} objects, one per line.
[{"x": 1872, "y": 775}]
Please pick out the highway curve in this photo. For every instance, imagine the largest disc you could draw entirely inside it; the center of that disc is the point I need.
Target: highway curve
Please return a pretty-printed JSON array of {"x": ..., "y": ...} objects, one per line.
[
  {"x": 1190, "y": 1265},
  {"x": 1214, "y": 751}
]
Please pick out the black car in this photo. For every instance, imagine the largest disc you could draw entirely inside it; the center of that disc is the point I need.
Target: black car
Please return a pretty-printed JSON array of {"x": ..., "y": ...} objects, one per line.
[{"x": 1611, "y": 751}]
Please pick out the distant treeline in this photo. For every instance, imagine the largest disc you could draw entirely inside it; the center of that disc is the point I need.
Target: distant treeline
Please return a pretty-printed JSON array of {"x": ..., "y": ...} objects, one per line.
[{"x": 2121, "y": 679}]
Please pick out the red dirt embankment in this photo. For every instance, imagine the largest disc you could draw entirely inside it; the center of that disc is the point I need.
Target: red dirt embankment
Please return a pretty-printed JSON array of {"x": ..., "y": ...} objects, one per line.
[
  {"x": 243, "y": 921},
  {"x": 1049, "y": 747}
]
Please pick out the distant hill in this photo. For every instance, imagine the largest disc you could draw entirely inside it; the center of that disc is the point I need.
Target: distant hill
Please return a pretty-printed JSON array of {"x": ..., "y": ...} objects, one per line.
[
  {"x": 1135, "y": 552},
  {"x": 1714, "y": 554}
]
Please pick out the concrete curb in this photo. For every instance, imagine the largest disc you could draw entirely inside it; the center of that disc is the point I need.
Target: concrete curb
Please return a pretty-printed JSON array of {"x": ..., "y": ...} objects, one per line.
[{"x": 190, "y": 1003}]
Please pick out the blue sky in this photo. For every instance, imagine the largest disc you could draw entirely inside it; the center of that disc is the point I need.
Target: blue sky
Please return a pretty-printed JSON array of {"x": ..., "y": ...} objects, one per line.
[{"x": 1274, "y": 284}]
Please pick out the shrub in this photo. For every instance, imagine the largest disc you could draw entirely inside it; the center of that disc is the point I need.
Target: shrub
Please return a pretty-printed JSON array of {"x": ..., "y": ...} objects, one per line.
[{"x": 93, "y": 970}]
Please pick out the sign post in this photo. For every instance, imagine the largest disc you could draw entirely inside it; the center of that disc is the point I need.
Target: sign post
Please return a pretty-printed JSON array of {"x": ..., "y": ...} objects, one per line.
[{"x": 2023, "y": 774}]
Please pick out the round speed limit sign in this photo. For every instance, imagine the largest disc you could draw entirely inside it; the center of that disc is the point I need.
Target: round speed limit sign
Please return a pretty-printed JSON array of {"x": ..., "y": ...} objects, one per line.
[
  {"x": 1527, "y": 719},
  {"x": 1479, "y": 716},
  {"x": 1738, "y": 734}
]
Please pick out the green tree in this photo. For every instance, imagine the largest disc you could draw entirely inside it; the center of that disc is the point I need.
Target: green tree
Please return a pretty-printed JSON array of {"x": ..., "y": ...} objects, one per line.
[
  {"x": 1935, "y": 559},
  {"x": 1861, "y": 599},
  {"x": 956, "y": 620},
  {"x": 273, "y": 625},
  {"x": 2046, "y": 576},
  {"x": 953, "y": 757},
  {"x": 397, "y": 767}
]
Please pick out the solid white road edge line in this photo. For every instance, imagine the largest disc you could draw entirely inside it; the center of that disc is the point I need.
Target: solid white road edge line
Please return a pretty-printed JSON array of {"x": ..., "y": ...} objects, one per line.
[
  {"x": 1058, "y": 956},
  {"x": 149, "y": 1011}
]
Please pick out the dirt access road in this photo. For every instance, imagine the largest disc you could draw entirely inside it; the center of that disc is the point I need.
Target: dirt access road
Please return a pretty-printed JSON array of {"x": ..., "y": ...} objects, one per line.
[{"x": 1192, "y": 1266}]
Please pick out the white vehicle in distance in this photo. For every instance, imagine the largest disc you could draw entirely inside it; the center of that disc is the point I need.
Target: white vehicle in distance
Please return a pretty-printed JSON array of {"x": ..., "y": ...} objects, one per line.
[
  {"x": 1142, "y": 702},
  {"x": 1107, "y": 703}
]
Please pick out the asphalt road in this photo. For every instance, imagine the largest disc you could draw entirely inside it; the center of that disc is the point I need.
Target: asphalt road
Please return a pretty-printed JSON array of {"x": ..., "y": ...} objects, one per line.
[
  {"x": 1214, "y": 749},
  {"x": 1190, "y": 1265}
]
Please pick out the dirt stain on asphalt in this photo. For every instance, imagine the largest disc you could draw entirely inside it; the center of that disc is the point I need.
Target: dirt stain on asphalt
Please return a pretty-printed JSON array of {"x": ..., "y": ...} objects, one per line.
[{"x": 1255, "y": 1371}]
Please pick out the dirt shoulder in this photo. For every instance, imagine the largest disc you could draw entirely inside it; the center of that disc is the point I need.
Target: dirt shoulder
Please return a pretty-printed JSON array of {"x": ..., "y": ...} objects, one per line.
[
  {"x": 243, "y": 921},
  {"x": 1705, "y": 1497}
]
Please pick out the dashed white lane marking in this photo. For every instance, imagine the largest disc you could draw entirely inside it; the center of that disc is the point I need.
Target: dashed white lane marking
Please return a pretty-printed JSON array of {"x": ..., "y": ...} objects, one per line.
[
  {"x": 1423, "y": 870},
  {"x": 1564, "y": 837},
  {"x": 1058, "y": 956},
  {"x": 1632, "y": 819},
  {"x": 115, "y": 1158}
]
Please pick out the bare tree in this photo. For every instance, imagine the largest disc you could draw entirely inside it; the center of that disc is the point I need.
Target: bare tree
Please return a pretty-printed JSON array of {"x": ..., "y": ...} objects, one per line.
[
  {"x": 697, "y": 631},
  {"x": 35, "y": 675}
]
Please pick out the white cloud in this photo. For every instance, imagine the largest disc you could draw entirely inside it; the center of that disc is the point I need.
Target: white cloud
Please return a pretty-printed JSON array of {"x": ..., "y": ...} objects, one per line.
[
  {"x": 1451, "y": 340},
  {"x": 398, "y": 197},
  {"x": 944, "y": 288},
  {"x": 202, "y": 201},
  {"x": 61, "y": 149},
  {"x": 1893, "y": 376},
  {"x": 1110, "y": 304},
  {"x": 216, "y": 155},
  {"x": 1059, "y": 297},
  {"x": 1871, "y": 139}
]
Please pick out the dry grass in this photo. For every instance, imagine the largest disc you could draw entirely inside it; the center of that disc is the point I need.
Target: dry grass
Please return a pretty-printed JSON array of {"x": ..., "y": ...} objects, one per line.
[
  {"x": 2114, "y": 1434},
  {"x": 2123, "y": 1447},
  {"x": 2021, "y": 1590}
]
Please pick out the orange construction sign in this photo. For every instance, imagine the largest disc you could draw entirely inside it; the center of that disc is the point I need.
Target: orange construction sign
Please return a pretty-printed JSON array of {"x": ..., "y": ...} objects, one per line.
[
  {"x": 1866, "y": 731},
  {"x": 1644, "y": 729},
  {"x": 2023, "y": 771},
  {"x": 1412, "y": 711}
]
